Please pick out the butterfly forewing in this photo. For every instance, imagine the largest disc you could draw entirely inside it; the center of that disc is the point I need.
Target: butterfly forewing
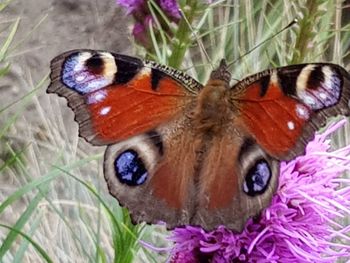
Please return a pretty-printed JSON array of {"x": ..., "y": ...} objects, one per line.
[
  {"x": 115, "y": 97},
  {"x": 283, "y": 107}
]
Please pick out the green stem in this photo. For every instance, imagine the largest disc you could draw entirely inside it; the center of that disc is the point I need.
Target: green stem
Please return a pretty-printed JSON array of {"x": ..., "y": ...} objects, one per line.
[
  {"x": 182, "y": 39},
  {"x": 305, "y": 35}
]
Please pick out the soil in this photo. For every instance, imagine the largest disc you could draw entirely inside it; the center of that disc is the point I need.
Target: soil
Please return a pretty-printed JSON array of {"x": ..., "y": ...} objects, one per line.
[{"x": 66, "y": 24}]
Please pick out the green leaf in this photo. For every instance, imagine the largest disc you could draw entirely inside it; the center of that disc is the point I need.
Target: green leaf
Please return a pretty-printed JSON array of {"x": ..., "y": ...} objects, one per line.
[
  {"x": 9, "y": 40},
  {"x": 31, "y": 241},
  {"x": 30, "y": 209},
  {"x": 4, "y": 5}
]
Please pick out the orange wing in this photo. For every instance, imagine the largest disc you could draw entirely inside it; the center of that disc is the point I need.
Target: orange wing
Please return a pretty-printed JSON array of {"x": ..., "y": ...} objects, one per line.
[
  {"x": 282, "y": 108},
  {"x": 115, "y": 96}
]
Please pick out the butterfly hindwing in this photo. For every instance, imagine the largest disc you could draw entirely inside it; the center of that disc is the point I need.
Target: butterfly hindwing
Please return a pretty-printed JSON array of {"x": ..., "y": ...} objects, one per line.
[
  {"x": 152, "y": 174},
  {"x": 115, "y": 97},
  {"x": 283, "y": 107},
  {"x": 236, "y": 181},
  {"x": 177, "y": 175}
]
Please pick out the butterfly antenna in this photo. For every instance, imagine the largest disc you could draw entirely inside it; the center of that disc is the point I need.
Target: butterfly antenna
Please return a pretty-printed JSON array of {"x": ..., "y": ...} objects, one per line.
[
  {"x": 263, "y": 42},
  {"x": 199, "y": 41}
]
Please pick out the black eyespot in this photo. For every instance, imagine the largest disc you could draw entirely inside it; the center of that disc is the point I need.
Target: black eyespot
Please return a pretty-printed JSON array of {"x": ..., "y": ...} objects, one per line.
[
  {"x": 130, "y": 169},
  {"x": 95, "y": 64},
  {"x": 257, "y": 178}
]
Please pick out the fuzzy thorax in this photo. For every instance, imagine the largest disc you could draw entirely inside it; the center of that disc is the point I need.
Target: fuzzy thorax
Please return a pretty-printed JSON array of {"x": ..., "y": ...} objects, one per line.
[{"x": 213, "y": 108}]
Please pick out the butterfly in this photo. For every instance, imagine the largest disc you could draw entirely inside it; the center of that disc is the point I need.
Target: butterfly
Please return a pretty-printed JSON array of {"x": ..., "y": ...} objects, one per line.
[{"x": 186, "y": 153}]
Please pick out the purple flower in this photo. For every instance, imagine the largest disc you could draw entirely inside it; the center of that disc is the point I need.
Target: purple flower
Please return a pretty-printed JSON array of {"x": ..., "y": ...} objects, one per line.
[
  {"x": 170, "y": 7},
  {"x": 130, "y": 5},
  {"x": 140, "y": 32},
  {"x": 300, "y": 225},
  {"x": 142, "y": 15}
]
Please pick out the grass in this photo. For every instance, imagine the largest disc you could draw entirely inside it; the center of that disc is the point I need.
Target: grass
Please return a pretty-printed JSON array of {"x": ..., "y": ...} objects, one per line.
[{"x": 55, "y": 208}]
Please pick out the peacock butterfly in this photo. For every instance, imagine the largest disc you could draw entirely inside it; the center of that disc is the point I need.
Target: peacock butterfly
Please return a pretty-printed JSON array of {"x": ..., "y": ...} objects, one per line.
[{"x": 185, "y": 153}]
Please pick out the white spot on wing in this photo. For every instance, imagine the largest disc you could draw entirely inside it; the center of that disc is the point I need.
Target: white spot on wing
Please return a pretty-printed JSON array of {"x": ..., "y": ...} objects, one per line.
[
  {"x": 105, "y": 110},
  {"x": 97, "y": 96},
  {"x": 80, "y": 78},
  {"x": 291, "y": 125},
  {"x": 309, "y": 100},
  {"x": 302, "y": 112},
  {"x": 323, "y": 95}
]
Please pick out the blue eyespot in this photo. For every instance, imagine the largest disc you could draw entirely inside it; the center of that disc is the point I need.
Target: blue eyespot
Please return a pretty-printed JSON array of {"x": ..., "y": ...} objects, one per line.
[
  {"x": 83, "y": 72},
  {"x": 257, "y": 178},
  {"x": 130, "y": 169}
]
